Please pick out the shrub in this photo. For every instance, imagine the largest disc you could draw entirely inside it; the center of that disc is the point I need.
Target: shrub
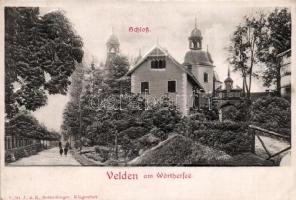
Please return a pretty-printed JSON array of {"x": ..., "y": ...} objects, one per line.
[
  {"x": 223, "y": 126},
  {"x": 198, "y": 116},
  {"x": 161, "y": 115},
  {"x": 102, "y": 133},
  {"x": 147, "y": 141},
  {"x": 211, "y": 114},
  {"x": 103, "y": 152},
  {"x": 229, "y": 141},
  {"x": 133, "y": 132},
  {"x": 229, "y": 112},
  {"x": 205, "y": 114},
  {"x": 228, "y": 136},
  {"x": 122, "y": 124},
  {"x": 240, "y": 112},
  {"x": 173, "y": 151},
  {"x": 273, "y": 113},
  {"x": 158, "y": 133}
]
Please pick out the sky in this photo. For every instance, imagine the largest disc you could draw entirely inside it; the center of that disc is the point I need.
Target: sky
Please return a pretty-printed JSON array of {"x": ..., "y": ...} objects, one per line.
[{"x": 170, "y": 25}]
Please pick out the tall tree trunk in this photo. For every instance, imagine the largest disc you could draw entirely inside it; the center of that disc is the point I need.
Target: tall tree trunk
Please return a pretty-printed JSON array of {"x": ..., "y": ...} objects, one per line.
[
  {"x": 251, "y": 67},
  {"x": 244, "y": 87},
  {"x": 278, "y": 79}
]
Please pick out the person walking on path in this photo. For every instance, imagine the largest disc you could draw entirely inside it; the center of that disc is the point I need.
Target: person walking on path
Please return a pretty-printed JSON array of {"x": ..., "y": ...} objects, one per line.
[
  {"x": 61, "y": 148},
  {"x": 66, "y": 148}
]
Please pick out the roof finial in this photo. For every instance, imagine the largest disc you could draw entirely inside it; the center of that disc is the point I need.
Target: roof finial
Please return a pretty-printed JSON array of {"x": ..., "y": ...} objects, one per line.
[
  {"x": 207, "y": 48},
  {"x": 195, "y": 23},
  {"x": 228, "y": 71}
]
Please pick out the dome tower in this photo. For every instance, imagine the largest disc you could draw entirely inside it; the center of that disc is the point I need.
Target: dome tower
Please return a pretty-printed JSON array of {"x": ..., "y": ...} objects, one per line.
[
  {"x": 198, "y": 61},
  {"x": 195, "y": 38},
  {"x": 112, "y": 50}
]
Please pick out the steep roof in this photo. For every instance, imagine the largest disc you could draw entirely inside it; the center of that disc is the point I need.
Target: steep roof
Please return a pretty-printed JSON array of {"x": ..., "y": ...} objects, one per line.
[
  {"x": 113, "y": 40},
  {"x": 157, "y": 51},
  {"x": 198, "y": 57}
]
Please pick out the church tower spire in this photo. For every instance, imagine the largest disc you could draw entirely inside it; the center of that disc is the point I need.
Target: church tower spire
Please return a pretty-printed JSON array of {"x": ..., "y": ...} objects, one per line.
[
  {"x": 228, "y": 81},
  {"x": 195, "y": 24}
]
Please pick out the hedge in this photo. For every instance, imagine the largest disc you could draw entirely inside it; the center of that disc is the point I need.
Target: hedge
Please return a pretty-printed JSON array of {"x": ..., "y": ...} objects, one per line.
[
  {"x": 272, "y": 113},
  {"x": 231, "y": 137}
]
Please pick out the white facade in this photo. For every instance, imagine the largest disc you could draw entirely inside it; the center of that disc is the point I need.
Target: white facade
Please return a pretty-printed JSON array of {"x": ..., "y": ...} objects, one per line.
[{"x": 285, "y": 61}]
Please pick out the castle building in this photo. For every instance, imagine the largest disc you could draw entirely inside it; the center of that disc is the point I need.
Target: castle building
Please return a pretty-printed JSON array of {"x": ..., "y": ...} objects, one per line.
[
  {"x": 285, "y": 62},
  {"x": 158, "y": 74},
  {"x": 198, "y": 61}
]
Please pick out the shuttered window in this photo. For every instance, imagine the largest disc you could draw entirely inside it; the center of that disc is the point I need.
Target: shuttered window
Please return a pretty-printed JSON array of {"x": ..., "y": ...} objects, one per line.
[{"x": 171, "y": 86}]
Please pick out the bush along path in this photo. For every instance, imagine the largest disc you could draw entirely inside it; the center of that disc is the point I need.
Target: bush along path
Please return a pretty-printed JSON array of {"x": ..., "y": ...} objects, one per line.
[{"x": 50, "y": 157}]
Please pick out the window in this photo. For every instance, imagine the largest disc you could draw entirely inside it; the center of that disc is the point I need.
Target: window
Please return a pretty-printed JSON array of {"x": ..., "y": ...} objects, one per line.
[
  {"x": 13, "y": 142},
  {"x": 9, "y": 142},
  {"x": 189, "y": 67},
  {"x": 6, "y": 143},
  {"x": 206, "y": 77},
  {"x": 145, "y": 87},
  {"x": 172, "y": 86},
  {"x": 158, "y": 64}
]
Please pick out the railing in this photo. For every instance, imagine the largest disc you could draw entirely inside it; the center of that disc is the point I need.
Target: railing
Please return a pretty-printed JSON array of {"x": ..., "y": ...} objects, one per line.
[{"x": 253, "y": 130}]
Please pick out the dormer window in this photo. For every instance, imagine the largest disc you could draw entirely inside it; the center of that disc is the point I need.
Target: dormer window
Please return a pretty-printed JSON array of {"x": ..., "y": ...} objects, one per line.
[{"x": 158, "y": 64}]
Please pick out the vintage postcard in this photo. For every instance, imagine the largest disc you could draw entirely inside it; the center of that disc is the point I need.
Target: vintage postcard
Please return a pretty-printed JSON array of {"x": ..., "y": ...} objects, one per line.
[{"x": 147, "y": 100}]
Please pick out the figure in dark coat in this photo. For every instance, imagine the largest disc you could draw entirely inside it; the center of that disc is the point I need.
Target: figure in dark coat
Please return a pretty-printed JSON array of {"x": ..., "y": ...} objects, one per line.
[
  {"x": 66, "y": 148},
  {"x": 61, "y": 151},
  {"x": 61, "y": 148}
]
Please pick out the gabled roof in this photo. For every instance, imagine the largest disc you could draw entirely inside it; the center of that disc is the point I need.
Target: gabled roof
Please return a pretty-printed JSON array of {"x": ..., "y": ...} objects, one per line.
[{"x": 157, "y": 51}]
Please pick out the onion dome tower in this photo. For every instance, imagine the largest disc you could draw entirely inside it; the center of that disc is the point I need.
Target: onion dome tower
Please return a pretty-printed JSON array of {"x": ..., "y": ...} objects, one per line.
[{"x": 198, "y": 61}]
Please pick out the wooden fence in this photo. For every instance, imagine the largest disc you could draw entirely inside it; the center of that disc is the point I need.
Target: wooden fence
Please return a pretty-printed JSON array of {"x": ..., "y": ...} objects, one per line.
[
  {"x": 17, "y": 147},
  {"x": 255, "y": 131}
]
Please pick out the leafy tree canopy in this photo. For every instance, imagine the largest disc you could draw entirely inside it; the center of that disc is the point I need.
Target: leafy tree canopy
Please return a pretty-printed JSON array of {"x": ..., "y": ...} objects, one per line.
[
  {"x": 274, "y": 39},
  {"x": 40, "y": 55}
]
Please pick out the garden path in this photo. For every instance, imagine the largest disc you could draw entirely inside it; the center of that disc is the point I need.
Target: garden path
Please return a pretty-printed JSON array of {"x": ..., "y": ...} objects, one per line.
[
  {"x": 49, "y": 157},
  {"x": 273, "y": 146}
]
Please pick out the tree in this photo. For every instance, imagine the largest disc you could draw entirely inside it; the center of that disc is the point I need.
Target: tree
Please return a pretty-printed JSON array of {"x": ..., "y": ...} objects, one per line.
[
  {"x": 25, "y": 125},
  {"x": 81, "y": 110},
  {"x": 117, "y": 81},
  {"x": 243, "y": 49},
  {"x": 77, "y": 82},
  {"x": 72, "y": 114},
  {"x": 119, "y": 67},
  {"x": 274, "y": 39},
  {"x": 40, "y": 56},
  {"x": 71, "y": 124}
]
